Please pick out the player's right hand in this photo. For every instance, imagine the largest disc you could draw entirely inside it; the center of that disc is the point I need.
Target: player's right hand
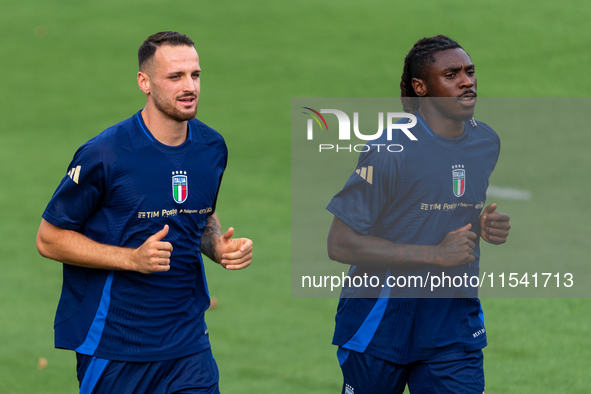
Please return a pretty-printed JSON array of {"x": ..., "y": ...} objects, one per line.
[
  {"x": 457, "y": 247},
  {"x": 153, "y": 255}
]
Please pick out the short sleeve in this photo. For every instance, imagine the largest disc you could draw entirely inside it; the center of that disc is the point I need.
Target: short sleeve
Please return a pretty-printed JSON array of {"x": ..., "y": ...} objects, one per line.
[
  {"x": 220, "y": 169},
  {"x": 368, "y": 191},
  {"x": 81, "y": 192},
  {"x": 219, "y": 161}
]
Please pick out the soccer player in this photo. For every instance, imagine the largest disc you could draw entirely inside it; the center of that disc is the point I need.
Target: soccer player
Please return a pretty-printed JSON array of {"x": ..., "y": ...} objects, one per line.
[
  {"x": 130, "y": 221},
  {"x": 421, "y": 208}
]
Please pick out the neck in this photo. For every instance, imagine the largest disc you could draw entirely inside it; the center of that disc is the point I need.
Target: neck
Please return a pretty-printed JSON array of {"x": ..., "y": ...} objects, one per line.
[
  {"x": 440, "y": 124},
  {"x": 167, "y": 131}
]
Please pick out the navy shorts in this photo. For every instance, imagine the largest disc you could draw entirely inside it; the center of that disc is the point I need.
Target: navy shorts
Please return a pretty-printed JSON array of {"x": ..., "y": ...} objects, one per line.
[
  {"x": 197, "y": 373},
  {"x": 458, "y": 372}
]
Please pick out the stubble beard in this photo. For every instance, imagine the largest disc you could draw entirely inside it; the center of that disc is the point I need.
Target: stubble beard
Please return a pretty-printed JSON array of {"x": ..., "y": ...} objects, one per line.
[{"x": 171, "y": 112}]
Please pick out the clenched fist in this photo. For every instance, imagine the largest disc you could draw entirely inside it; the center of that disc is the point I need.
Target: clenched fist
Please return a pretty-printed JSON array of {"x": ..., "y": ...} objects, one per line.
[{"x": 457, "y": 247}]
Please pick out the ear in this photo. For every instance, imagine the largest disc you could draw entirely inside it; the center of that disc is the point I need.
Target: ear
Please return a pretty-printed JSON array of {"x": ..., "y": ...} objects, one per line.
[
  {"x": 143, "y": 81},
  {"x": 419, "y": 86}
]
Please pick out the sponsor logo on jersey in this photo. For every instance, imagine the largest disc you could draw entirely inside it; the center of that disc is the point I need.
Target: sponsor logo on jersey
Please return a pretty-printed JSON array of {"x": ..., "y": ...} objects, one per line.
[
  {"x": 366, "y": 173},
  {"x": 180, "y": 186},
  {"x": 459, "y": 179},
  {"x": 74, "y": 173}
]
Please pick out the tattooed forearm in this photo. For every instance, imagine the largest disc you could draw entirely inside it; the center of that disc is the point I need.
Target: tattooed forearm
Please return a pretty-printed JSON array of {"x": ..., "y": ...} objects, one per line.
[{"x": 210, "y": 236}]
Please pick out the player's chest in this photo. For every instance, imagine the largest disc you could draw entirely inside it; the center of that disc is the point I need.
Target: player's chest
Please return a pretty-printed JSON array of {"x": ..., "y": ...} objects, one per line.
[
  {"x": 167, "y": 182},
  {"x": 449, "y": 176}
]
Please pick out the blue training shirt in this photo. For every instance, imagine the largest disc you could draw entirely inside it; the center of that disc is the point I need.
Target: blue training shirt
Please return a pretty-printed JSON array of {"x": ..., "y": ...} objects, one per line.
[
  {"x": 417, "y": 196},
  {"x": 122, "y": 187}
]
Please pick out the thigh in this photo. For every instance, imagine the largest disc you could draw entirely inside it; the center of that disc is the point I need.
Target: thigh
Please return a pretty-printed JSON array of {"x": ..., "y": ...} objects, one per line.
[
  {"x": 365, "y": 374},
  {"x": 195, "y": 374},
  {"x": 460, "y": 372},
  {"x": 100, "y": 376}
]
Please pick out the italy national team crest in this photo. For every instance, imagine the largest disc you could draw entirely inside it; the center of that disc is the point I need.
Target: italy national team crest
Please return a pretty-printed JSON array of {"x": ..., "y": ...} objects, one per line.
[
  {"x": 180, "y": 186},
  {"x": 459, "y": 177}
]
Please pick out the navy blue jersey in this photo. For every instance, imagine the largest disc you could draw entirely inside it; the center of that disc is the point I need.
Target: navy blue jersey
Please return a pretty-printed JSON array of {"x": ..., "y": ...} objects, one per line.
[
  {"x": 417, "y": 196},
  {"x": 122, "y": 187}
]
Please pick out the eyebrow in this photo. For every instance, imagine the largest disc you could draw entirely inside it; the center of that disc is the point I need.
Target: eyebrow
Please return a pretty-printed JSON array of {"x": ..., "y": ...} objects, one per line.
[
  {"x": 182, "y": 72},
  {"x": 457, "y": 68}
]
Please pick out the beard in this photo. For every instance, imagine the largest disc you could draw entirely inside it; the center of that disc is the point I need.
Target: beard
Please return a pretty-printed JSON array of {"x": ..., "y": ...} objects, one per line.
[{"x": 168, "y": 109}]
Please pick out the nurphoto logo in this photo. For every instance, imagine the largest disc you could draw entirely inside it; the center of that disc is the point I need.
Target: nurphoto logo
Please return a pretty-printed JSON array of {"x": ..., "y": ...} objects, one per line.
[{"x": 344, "y": 129}]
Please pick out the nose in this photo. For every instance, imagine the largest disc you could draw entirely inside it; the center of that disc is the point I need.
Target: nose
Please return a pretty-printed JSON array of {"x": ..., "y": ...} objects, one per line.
[
  {"x": 189, "y": 85},
  {"x": 466, "y": 81}
]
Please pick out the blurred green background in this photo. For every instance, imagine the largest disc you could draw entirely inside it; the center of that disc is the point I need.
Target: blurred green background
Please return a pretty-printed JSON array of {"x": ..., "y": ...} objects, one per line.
[{"x": 68, "y": 72}]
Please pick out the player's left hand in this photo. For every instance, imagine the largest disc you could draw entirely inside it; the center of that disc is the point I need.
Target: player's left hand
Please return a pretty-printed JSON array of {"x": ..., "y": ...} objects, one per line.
[
  {"x": 494, "y": 226},
  {"x": 233, "y": 253}
]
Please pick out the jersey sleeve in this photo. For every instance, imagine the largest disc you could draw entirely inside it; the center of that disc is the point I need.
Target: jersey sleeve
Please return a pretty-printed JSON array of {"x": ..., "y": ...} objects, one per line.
[
  {"x": 216, "y": 141},
  {"x": 368, "y": 191},
  {"x": 81, "y": 192},
  {"x": 220, "y": 169}
]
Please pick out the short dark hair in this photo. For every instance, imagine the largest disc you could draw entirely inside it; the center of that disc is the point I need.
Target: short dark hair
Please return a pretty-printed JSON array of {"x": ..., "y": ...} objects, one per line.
[
  {"x": 148, "y": 48},
  {"x": 416, "y": 62}
]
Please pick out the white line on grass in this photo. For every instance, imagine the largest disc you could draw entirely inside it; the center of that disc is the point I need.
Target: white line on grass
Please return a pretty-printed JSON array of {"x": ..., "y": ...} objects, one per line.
[{"x": 508, "y": 193}]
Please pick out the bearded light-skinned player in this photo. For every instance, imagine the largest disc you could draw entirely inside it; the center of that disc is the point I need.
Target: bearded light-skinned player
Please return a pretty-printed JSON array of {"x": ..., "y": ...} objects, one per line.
[{"x": 130, "y": 221}]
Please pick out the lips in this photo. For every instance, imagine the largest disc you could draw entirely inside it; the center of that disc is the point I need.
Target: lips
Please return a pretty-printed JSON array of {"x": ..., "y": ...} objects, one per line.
[
  {"x": 467, "y": 98},
  {"x": 187, "y": 101}
]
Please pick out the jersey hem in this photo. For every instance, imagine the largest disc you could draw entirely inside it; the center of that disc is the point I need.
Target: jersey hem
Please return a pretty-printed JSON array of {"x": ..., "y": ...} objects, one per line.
[
  {"x": 403, "y": 360},
  {"x": 345, "y": 219},
  {"x": 149, "y": 357},
  {"x": 58, "y": 223}
]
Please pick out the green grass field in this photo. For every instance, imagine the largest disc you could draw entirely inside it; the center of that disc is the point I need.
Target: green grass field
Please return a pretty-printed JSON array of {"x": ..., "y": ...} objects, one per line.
[{"x": 68, "y": 72}]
